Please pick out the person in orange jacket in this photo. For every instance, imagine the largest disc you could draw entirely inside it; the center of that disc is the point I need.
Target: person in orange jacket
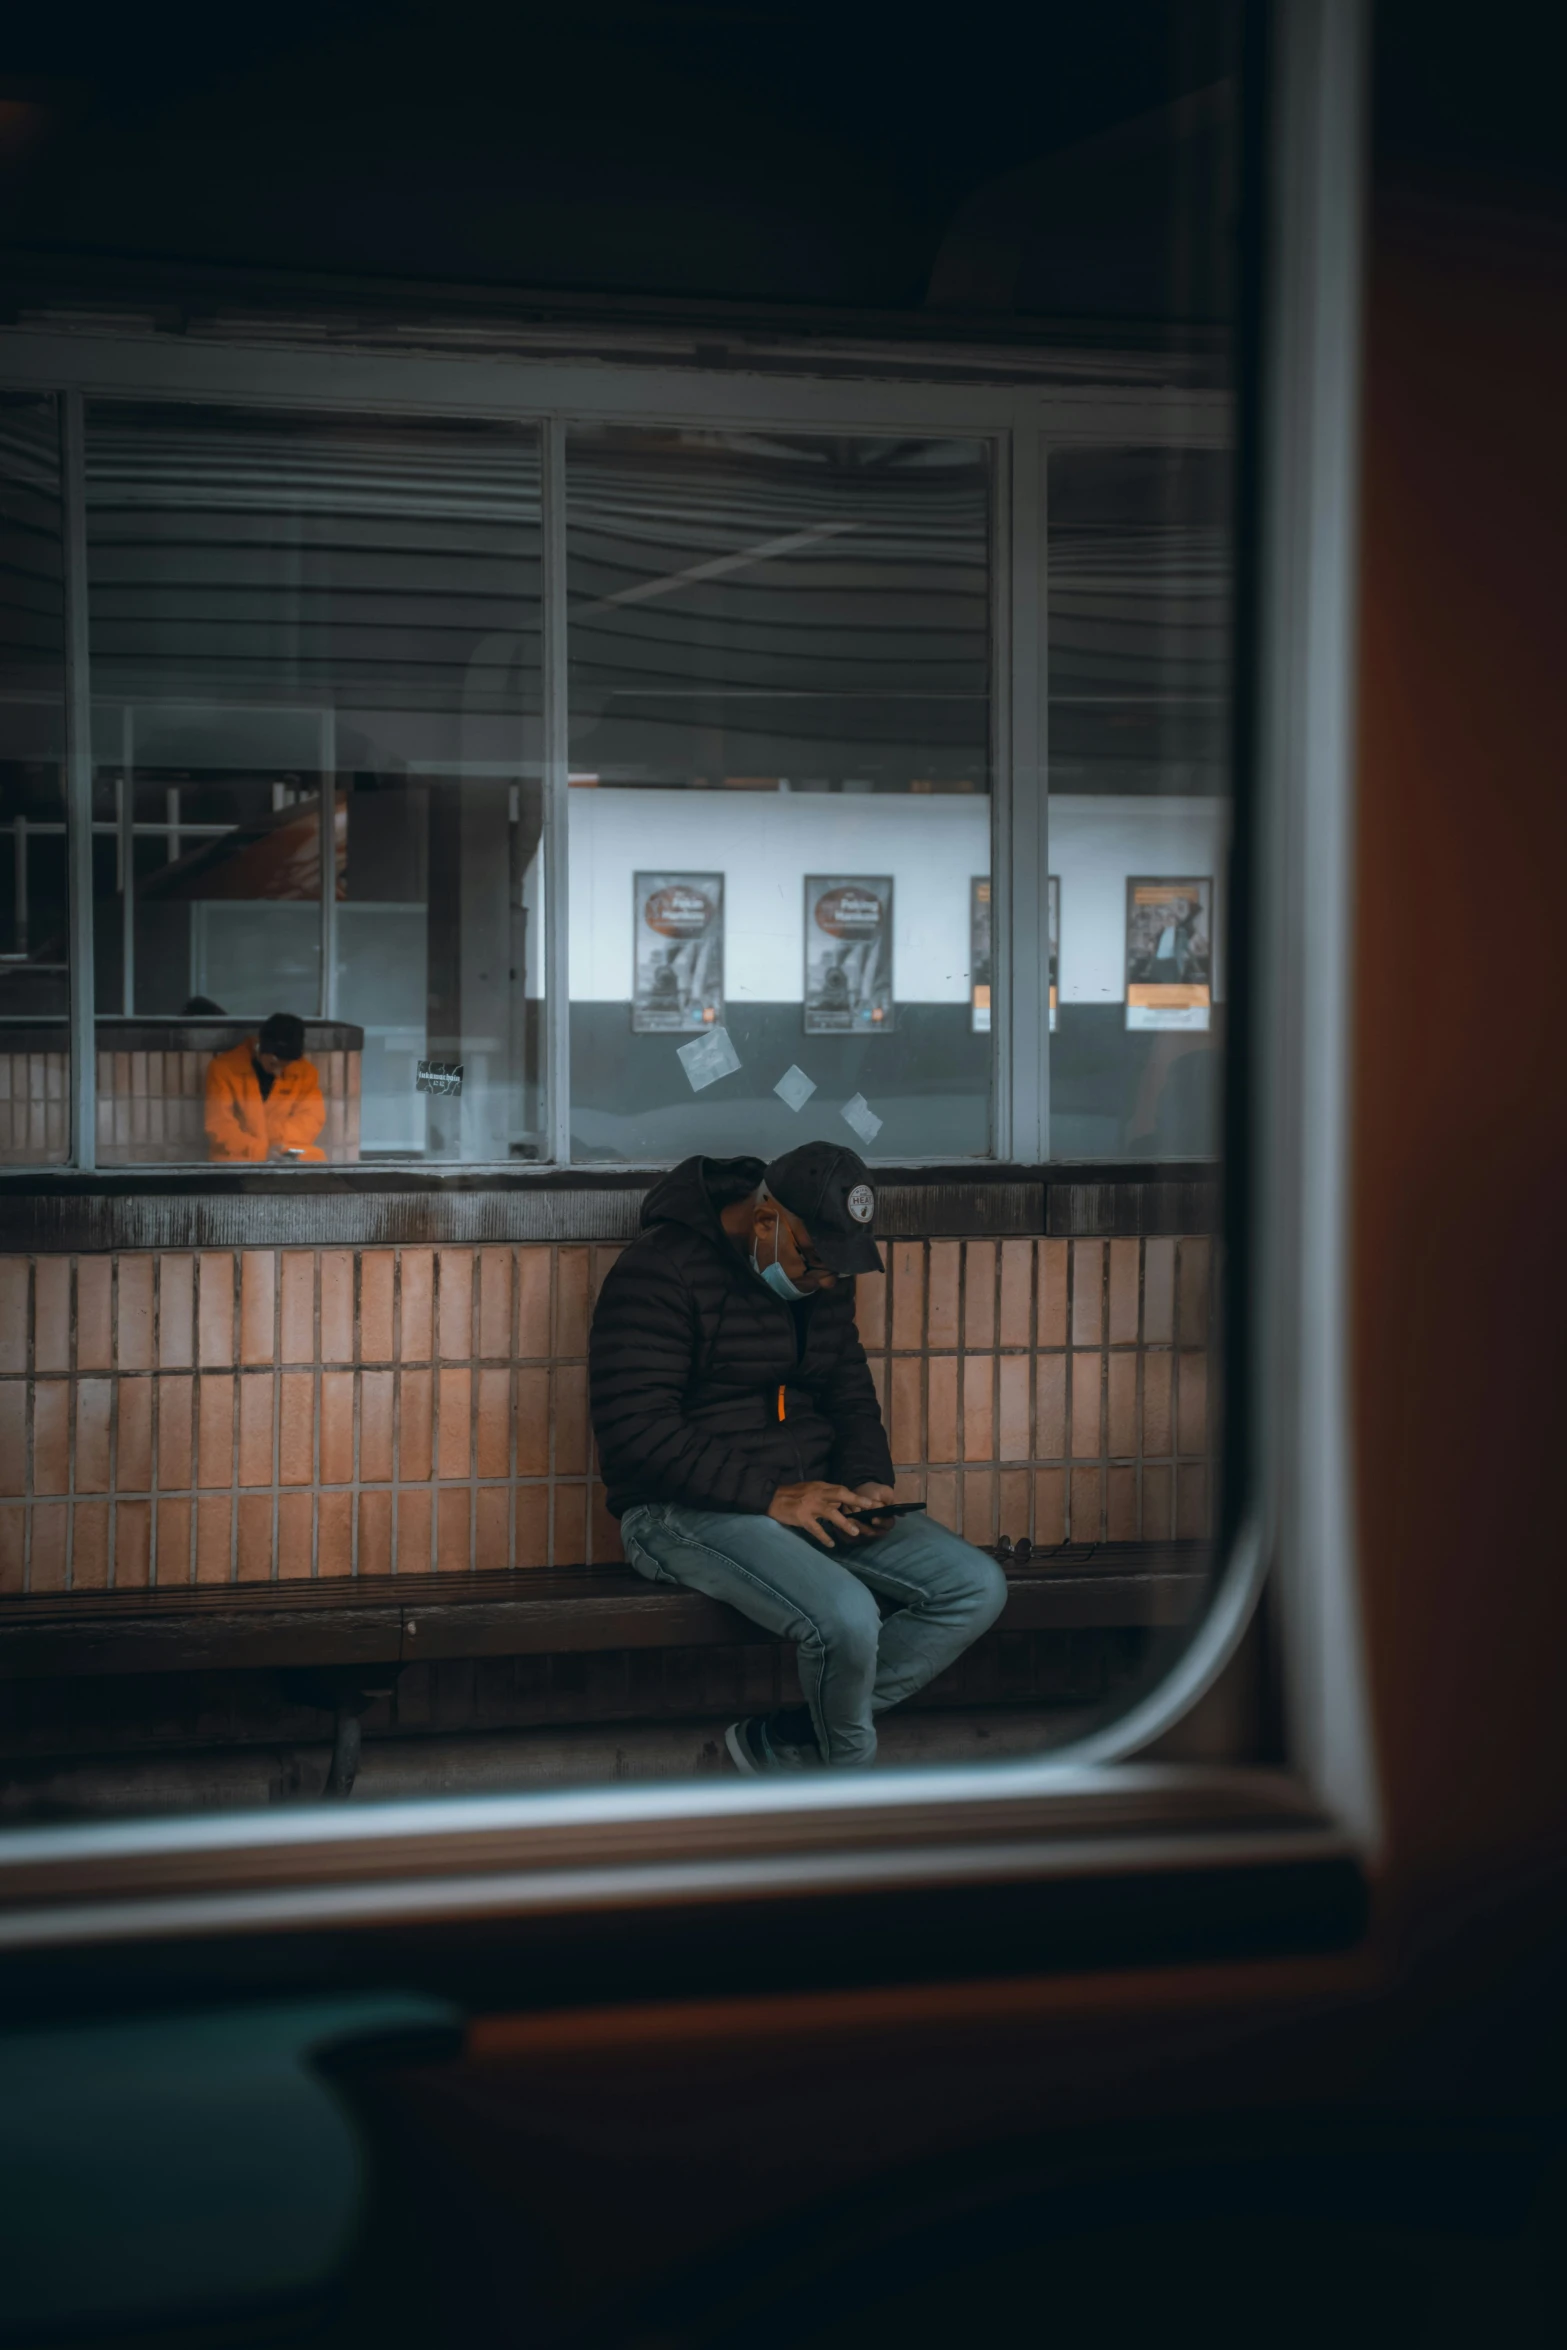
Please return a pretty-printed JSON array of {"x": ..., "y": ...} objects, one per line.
[{"x": 264, "y": 1098}]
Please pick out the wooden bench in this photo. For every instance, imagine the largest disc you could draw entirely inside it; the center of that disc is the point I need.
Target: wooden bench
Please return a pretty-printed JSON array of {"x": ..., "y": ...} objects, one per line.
[
  {"x": 341, "y": 1648},
  {"x": 397, "y": 1620}
]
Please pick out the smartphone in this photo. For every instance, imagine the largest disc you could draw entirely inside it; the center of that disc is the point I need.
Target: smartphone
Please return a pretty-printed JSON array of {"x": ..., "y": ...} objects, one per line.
[{"x": 841, "y": 1545}]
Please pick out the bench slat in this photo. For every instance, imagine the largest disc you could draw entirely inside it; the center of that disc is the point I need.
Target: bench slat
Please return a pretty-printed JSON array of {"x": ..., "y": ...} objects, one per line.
[{"x": 389, "y": 1620}]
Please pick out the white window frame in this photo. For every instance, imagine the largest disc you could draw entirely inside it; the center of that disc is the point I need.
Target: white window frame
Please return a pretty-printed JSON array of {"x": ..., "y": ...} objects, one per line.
[{"x": 1092, "y": 1807}]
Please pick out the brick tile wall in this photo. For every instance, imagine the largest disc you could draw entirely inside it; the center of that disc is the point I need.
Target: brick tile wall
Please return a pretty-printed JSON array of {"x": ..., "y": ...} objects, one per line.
[
  {"x": 1050, "y": 1388},
  {"x": 151, "y": 1108},
  {"x": 35, "y": 1109},
  {"x": 219, "y": 1416}
]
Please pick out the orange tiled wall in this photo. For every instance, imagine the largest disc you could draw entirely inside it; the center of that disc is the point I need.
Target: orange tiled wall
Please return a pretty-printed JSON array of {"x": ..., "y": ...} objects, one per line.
[
  {"x": 1054, "y": 1388},
  {"x": 218, "y": 1416}
]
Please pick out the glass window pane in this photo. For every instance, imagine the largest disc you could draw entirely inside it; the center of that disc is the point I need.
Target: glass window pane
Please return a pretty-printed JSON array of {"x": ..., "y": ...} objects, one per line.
[
  {"x": 780, "y": 814},
  {"x": 35, "y": 1092},
  {"x": 1140, "y": 572},
  {"x": 305, "y": 623}
]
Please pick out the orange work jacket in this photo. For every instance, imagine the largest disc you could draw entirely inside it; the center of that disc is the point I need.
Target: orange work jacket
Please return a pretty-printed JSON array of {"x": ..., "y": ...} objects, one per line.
[{"x": 240, "y": 1125}]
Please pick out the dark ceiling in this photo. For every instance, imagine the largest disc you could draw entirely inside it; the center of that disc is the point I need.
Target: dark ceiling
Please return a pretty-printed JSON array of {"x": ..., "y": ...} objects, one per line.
[
  {"x": 1006, "y": 162},
  {"x": 802, "y": 155}
]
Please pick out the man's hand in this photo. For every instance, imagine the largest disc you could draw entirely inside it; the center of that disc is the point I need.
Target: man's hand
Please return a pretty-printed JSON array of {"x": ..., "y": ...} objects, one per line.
[
  {"x": 813, "y": 1506},
  {"x": 873, "y": 1492}
]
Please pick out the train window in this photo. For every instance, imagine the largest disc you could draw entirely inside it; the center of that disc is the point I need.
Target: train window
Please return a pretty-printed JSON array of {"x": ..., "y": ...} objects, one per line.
[{"x": 676, "y": 982}]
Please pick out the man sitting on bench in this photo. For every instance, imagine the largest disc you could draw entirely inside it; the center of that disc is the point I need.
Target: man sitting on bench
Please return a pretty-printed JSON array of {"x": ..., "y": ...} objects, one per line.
[
  {"x": 742, "y": 1444},
  {"x": 264, "y": 1098}
]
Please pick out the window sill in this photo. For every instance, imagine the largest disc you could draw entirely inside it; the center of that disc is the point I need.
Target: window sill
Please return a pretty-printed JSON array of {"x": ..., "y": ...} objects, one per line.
[
  {"x": 1018, "y": 1868},
  {"x": 61, "y": 1209}
]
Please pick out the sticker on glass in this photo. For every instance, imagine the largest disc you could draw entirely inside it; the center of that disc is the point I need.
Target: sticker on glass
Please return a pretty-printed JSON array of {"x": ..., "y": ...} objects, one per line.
[
  {"x": 708, "y": 1057},
  {"x": 1169, "y": 953},
  {"x": 848, "y": 954},
  {"x": 677, "y": 952},
  {"x": 794, "y": 1087},
  {"x": 438, "y": 1077},
  {"x": 862, "y": 1118}
]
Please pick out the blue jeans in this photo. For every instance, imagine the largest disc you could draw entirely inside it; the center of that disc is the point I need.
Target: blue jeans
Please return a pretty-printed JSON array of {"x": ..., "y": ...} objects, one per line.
[{"x": 853, "y": 1662}]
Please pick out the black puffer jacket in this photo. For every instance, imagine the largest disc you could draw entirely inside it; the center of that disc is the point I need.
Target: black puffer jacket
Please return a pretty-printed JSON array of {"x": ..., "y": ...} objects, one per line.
[{"x": 688, "y": 1354}]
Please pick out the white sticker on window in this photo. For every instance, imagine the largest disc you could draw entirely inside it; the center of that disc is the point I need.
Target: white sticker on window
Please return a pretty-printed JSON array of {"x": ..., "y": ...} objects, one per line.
[
  {"x": 862, "y": 1118},
  {"x": 794, "y": 1087},
  {"x": 708, "y": 1057}
]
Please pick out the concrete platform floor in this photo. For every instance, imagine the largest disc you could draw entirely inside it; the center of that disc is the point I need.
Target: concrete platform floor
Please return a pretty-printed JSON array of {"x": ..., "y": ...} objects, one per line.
[{"x": 484, "y": 1762}]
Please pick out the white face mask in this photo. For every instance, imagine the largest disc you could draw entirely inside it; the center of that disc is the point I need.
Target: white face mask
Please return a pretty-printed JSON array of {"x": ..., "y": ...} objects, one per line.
[{"x": 774, "y": 1275}]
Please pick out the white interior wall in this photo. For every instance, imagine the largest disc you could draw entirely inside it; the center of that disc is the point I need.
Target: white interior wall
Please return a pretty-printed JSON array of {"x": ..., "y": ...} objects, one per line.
[{"x": 764, "y": 843}]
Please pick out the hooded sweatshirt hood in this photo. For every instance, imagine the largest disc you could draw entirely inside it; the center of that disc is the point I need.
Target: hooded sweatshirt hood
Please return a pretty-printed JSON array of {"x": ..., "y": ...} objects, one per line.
[{"x": 695, "y": 1193}]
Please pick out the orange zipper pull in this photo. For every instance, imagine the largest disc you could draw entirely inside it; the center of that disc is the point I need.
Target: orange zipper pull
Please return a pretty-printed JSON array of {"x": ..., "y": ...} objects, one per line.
[{"x": 780, "y": 1403}]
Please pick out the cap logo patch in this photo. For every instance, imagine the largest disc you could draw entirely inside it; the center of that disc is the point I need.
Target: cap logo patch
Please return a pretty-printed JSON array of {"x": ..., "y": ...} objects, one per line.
[{"x": 861, "y": 1203}]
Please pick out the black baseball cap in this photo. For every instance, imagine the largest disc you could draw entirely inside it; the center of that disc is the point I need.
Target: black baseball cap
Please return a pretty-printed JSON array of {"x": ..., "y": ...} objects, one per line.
[{"x": 831, "y": 1192}]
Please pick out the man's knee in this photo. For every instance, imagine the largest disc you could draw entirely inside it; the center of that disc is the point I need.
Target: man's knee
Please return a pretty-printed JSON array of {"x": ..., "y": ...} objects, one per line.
[
  {"x": 849, "y": 1623},
  {"x": 971, "y": 1580}
]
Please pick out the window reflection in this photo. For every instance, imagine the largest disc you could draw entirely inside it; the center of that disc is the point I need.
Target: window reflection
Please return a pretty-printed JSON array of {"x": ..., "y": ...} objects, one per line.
[
  {"x": 34, "y": 894},
  {"x": 780, "y": 704},
  {"x": 1140, "y": 573},
  {"x": 303, "y": 626}
]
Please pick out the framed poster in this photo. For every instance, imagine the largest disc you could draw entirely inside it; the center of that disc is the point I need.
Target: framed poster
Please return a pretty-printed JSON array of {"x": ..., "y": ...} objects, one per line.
[
  {"x": 979, "y": 953},
  {"x": 677, "y": 967},
  {"x": 1053, "y": 918},
  {"x": 1169, "y": 953},
  {"x": 848, "y": 954}
]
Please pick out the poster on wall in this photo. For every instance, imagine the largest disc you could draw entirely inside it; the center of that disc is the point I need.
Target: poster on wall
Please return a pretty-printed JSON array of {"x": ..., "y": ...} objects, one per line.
[
  {"x": 848, "y": 954},
  {"x": 979, "y": 954},
  {"x": 1169, "y": 953},
  {"x": 677, "y": 952},
  {"x": 1053, "y": 910}
]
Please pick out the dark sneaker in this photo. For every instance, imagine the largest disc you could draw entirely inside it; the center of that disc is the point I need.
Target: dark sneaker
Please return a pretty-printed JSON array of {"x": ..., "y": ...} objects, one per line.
[
  {"x": 746, "y": 1751},
  {"x": 764, "y": 1744}
]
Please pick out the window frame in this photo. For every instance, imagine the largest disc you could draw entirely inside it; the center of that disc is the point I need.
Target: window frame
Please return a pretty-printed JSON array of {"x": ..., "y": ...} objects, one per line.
[
  {"x": 1020, "y": 427},
  {"x": 602, "y": 1855}
]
